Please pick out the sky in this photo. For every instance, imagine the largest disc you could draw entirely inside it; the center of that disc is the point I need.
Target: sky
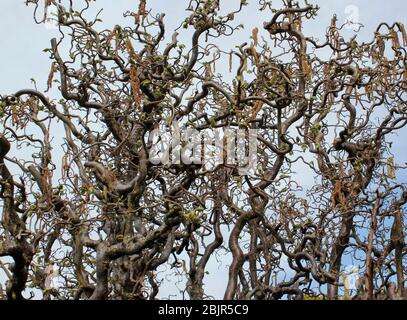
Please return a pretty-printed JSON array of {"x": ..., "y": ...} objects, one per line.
[{"x": 22, "y": 57}]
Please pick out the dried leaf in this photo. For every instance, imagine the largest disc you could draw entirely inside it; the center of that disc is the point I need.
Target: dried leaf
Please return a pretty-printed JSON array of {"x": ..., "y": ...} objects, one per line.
[{"x": 230, "y": 61}]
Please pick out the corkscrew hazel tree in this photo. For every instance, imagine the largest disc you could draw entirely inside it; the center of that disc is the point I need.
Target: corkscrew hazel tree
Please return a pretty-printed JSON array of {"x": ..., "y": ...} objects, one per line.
[{"x": 108, "y": 218}]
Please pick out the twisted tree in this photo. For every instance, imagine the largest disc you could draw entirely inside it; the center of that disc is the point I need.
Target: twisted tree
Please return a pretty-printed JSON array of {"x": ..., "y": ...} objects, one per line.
[{"x": 80, "y": 195}]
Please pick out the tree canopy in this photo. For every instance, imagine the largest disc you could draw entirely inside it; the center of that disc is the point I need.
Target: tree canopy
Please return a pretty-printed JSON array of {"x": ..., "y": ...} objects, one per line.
[{"x": 108, "y": 220}]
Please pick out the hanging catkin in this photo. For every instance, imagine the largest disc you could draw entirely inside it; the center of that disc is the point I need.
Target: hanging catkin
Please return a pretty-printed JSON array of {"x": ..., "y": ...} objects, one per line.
[
  {"x": 135, "y": 84},
  {"x": 380, "y": 44},
  {"x": 132, "y": 53},
  {"x": 110, "y": 37},
  {"x": 141, "y": 11},
  {"x": 208, "y": 71},
  {"x": 395, "y": 39},
  {"x": 299, "y": 23},
  {"x": 391, "y": 168},
  {"x": 254, "y": 54}
]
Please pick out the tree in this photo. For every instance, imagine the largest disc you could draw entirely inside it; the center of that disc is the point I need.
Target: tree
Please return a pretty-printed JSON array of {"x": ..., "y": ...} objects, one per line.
[{"x": 108, "y": 218}]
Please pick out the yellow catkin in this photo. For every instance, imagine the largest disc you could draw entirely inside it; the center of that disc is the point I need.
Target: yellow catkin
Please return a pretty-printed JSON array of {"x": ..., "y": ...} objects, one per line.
[
  {"x": 368, "y": 91},
  {"x": 256, "y": 109},
  {"x": 130, "y": 49},
  {"x": 255, "y": 35},
  {"x": 283, "y": 214},
  {"x": 14, "y": 116},
  {"x": 132, "y": 53},
  {"x": 333, "y": 22},
  {"x": 135, "y": 84},
  {"x": 184, "y": 267},
  {"x": 380, "y": 45},
  {"x": 333, "y": 32},
  {"x": 395, "y": 39},
  {"x": 357, "y": 96},
  {"x": 404, "y": 34},
  {"x": 335, "y": 192},
  {"x": 208, "y": 71},
  {"x": 244, "y": 67},
  {"x": 110, "y": 37},
  {"x": 134, "y": 72},
  {"x": 117, "y": 41},
  {"x": 47, "y": 3},
  {"x": 300, "y": 23},
  {"x": 254, "y": 54},
  {"x": 391, "y": 168},
  {"x": 337, "y": 195}
]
